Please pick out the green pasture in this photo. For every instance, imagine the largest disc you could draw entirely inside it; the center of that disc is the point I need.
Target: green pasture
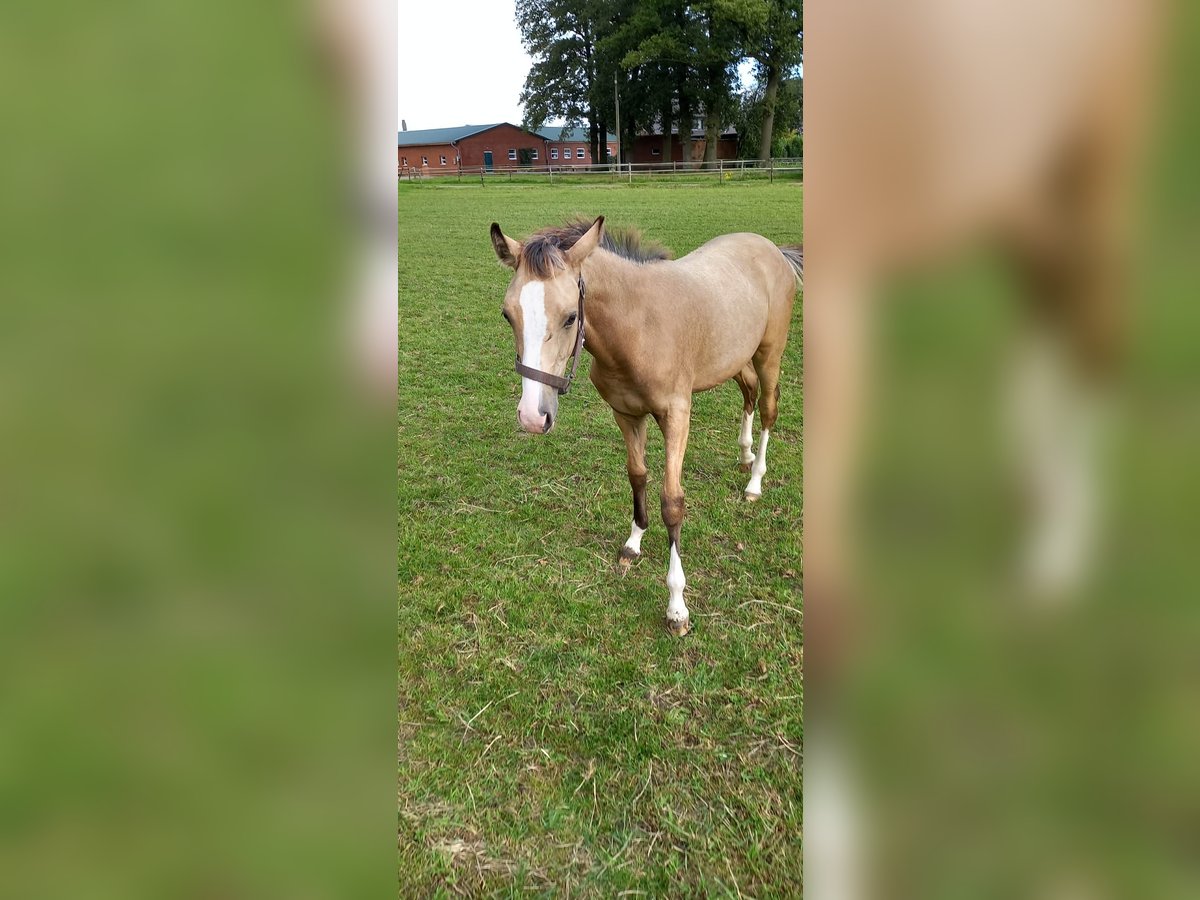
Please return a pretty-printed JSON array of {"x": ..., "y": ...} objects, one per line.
[{"x": 553, "y": 738}]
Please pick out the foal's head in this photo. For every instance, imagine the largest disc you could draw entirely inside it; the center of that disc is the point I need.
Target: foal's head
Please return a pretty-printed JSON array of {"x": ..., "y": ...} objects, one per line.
[{"x": 542, "y": 305}]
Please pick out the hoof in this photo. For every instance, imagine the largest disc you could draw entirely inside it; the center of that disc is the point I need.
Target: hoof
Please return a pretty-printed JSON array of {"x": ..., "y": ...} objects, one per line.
[
  {"x": 679, "y": 627},
  {"x": 626, "y": 557},
  {"x": 753, "y": 498},
  {"x": 745, "y": 467}
]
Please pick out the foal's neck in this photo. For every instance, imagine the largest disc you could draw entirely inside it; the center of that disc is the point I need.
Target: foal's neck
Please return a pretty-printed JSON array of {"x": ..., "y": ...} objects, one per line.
[{"x": 614, "y": 286}]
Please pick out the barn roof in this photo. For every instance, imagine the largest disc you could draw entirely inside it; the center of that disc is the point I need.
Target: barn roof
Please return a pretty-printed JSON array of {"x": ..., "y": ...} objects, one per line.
[
  {"x": 440, "y": 135},
  {"x": 444, "y": 136},
  {"x": 457, "y": 133}
]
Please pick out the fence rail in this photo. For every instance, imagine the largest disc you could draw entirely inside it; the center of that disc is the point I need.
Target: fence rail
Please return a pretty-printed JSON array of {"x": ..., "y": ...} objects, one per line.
[{"x": 720, "y": 170}]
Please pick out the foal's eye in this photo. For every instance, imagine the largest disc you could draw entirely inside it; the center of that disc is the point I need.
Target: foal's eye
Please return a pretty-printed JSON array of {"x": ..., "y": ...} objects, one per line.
[{"x": 570, "y": 320}]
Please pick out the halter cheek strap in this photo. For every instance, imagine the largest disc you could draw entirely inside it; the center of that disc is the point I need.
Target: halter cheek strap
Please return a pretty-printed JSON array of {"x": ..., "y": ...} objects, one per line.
[{"x": 563, "y": 385}]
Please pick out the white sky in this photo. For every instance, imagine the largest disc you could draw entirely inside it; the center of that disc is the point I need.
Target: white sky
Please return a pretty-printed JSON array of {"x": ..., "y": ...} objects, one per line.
[
  {"x": 462, "y": 63},
  {"x": 459, "y": 63}
]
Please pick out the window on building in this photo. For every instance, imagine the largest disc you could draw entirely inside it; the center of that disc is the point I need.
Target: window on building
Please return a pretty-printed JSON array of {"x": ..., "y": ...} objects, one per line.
[
  {"x": 512, "y": 153},
  {"x": 654, "y": 151},
  {"x": 554, "y": 153},
  {"x": 579, "y": 153},
  {"x": 443, "y": 158},
  {"x": 534, "y": 156},
  {"x": 424, "y": 160},
  {"x": 404, "y": 160}
]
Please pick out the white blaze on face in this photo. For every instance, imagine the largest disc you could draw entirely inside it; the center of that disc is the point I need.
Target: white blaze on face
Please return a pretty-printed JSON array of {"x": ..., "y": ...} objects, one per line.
[{"x": 533, "y": 314}]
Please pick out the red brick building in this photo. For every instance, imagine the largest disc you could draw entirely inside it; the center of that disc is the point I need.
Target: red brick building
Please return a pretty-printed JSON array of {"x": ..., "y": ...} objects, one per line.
[
  {"x": 569, "y": 146},
  {"x": 500, "y": 146},
  {"x": 648, "y": 148}
]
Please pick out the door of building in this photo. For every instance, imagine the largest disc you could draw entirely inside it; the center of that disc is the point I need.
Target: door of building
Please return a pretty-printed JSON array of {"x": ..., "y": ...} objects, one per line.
[{"x": 487, "y": 160}]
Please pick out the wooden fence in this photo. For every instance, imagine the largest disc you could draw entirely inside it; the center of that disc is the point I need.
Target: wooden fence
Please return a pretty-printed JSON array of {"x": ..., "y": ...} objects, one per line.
[{"x": 721, "y": 170}]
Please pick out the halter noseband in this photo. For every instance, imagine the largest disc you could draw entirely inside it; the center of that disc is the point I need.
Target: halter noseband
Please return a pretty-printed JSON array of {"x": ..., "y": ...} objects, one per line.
[{"x": 557, "y": 381}]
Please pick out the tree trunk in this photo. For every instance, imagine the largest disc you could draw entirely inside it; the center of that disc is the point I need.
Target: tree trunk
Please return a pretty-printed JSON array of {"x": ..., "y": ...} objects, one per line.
[
  {"x": 685, "y": 126},
  {"x": 594, "y": 137},
  {"x": 712, "y": 132},
  {"x": 774, "y": 76},
  {"x": 668, "y": 145},
  {"x": 589, "y": 63}
]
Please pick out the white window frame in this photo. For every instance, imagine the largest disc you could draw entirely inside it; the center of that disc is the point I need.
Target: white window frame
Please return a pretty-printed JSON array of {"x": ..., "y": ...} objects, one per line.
[
  {"x": 442, "y": 157},
  {"x": 512, "y": 152},
  {"x": 404, "y": 160},
  {"x": 424, "y": 160},
  {"x": 535, "y": 156},
  {"x": 579, "y": 154},
  {"x": 554, "y": 153}
]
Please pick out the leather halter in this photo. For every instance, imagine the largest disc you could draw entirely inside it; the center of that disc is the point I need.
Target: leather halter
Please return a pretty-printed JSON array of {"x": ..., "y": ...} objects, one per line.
[{"x": 558, "y": 381}]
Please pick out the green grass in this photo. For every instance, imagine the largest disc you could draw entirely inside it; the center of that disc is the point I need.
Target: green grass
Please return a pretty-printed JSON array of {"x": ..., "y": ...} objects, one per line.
[{"x": 553, "y": 737}]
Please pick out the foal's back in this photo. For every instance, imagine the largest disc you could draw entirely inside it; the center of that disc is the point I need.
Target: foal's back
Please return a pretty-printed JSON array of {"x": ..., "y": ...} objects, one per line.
[{"x": 730, "y": 298}]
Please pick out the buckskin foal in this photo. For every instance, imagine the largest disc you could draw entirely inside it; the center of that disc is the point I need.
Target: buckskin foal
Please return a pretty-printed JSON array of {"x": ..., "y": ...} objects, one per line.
[{"x": 658, "y": 330}]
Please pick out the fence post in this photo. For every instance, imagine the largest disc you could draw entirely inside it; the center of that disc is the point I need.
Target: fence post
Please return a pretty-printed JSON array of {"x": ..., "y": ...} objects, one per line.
[
  {"x": 481, "y": 176},
  {"x": 771, "y": 169}
]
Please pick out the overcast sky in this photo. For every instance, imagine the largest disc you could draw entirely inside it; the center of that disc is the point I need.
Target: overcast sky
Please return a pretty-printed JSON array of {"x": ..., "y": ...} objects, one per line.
[
  {"x": 459, "y": 63},
  {"x": 462, "y": 63}
]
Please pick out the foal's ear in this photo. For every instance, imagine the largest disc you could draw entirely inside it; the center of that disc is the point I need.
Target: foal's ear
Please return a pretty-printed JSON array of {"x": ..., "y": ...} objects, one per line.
[
  {"x": 506, "y": 248},
  {"x": 583, "y": 247}
]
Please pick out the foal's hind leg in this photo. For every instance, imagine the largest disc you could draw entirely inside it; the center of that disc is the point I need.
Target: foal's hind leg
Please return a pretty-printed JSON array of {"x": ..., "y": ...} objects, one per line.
[
  {"x": 1076, "y": 274},
  {"x": 747, "y": 380},
  {"x": 633, "y": 428},
  {"x": 767, "y": 368},
  {"x": 674, "y": 425}
]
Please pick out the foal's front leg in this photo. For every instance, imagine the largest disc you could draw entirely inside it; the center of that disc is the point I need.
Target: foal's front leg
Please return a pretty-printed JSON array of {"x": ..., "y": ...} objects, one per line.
[
  {"x": 633, "y": 428},
  {"x": 674, "y": 425}
]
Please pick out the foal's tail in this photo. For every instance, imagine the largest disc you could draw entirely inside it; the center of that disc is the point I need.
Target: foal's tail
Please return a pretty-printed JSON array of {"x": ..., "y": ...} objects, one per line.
[{"x": 794, "y": 254}]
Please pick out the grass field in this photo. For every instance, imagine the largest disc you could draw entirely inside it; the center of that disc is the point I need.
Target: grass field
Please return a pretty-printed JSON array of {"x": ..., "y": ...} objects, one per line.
[{"x": 553, "y": 738}]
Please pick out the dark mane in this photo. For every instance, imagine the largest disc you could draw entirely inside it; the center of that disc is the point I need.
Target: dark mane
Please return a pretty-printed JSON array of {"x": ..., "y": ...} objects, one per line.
[{"x": 543, "y": 250}]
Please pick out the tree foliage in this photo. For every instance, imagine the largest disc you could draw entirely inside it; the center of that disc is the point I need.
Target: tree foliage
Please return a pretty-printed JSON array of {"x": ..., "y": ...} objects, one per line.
[{"x": 674, "y": 62}]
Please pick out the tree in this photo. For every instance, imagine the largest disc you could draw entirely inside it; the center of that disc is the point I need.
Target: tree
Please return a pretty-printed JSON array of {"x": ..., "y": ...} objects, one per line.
[
  {"x": 689, "y": 52},
  {"x": 777, "y": 49},
  {"x": 561, "y": 36},
  {"x": 672, "y": 59},
  {"x": 787, "y": 125},
  {"x": 727, "y": 27}
]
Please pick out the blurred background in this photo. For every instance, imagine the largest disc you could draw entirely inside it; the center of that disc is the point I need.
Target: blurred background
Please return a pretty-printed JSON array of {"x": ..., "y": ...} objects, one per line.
[
  {"x": 197, "y": 515},
  {"x": 197, "y": 526},
  {"x": 985, "y": 743}
]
